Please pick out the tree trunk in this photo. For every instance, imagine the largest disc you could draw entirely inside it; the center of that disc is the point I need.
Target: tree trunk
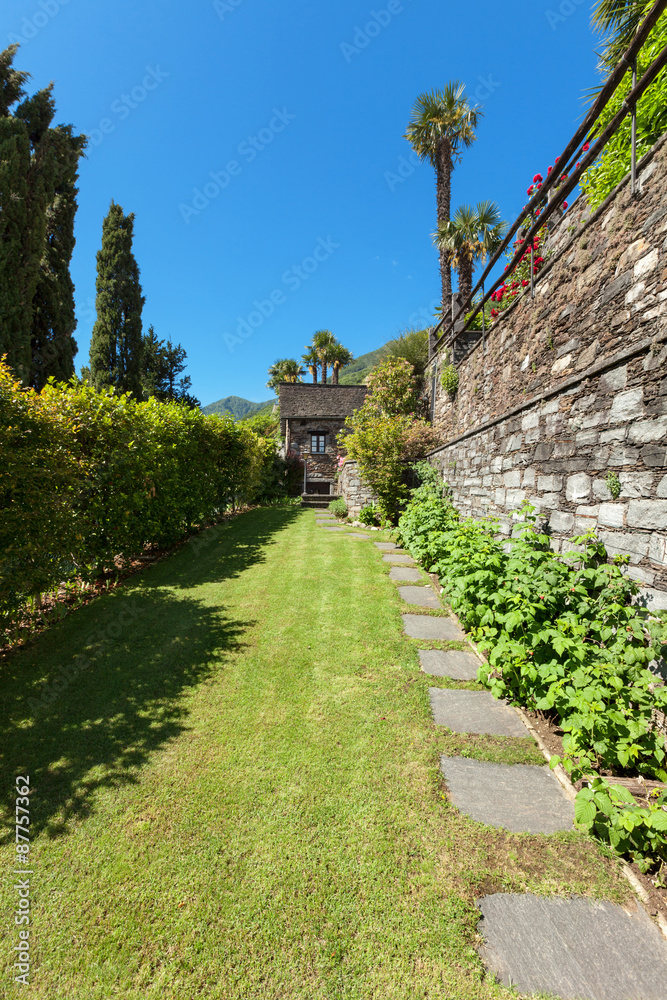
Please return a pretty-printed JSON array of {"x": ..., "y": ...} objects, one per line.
[
  {"x": 325, "y": 372},
  {"x": 334, "y": 376},
  {"x": 313, "y": 372},
  {"x": 443, "y": 174},
  {"x": 465, "y": 279}
]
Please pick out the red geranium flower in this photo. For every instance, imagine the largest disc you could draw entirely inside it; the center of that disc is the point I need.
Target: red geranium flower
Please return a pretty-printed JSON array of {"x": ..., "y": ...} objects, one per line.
[
  {"x": 537, "y": 178},
  {"x": 564, "y": 204},
  {"x": 586, "y": 146}
]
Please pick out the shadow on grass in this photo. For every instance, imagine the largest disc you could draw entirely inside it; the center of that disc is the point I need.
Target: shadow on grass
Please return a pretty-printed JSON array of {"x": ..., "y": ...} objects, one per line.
[{"x": 87, "y": 705}]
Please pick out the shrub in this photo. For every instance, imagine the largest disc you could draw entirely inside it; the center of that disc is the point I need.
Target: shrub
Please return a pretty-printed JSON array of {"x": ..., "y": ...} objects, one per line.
[
  {"x": 561, "y": 635},
  {"x": 338, "y": 507},
  {"x": 89, "y": 477},
  {"x": 369, "y": 515},
  {"x": 614, "y": 162}
]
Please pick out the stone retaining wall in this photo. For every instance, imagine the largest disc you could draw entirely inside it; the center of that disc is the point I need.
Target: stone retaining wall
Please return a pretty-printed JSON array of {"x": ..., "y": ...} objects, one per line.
[
  {"x": 350, "y": 487},
  {"x": 572, "y": 388}
]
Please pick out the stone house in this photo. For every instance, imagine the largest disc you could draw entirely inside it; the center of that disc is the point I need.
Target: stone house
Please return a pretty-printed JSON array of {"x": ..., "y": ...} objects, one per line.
[{"x": 311, "y": 415}]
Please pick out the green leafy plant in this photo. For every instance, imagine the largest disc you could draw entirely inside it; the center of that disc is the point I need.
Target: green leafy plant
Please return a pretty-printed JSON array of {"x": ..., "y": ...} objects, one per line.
[
  {"x": 613, "y": 484},
  {"x": 561, "y": 634},
  {"x": 611, "y": 814},
  {"x": 369, "y": 515},
  {"x": 449, "y": 380},
  {"x": 338, "y": 507}
]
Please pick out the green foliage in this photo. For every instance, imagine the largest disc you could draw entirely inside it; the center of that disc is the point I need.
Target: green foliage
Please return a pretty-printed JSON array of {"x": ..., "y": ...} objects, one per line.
[
  {"x": 384, "y": 434},
  {"x": 284, "y": 370},
  {"x": 449, "y": 380},
  {"x": 369, "y": 515},
  {"x": 116, "y": 343},
  {"x": 412, "y": 345},
  {"x": 561, "y": 635},
  {"x": 611, "y": 814},
  {"x": 91, "y": 477},
  {"x": 338, "y": 507},
  {"x": 613, "y": 484},
  {"x": 614, "y": 162},
  {"x": 161, "y": 364},
  {"x": 472, "y": 235},
  {"x": 38, "y": 167}
]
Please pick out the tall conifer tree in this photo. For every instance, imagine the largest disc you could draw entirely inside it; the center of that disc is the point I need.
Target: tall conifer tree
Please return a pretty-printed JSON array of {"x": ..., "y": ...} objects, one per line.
[
  {"x": 116, "y": 344},
  {"x": 34, "y": 157},
  {"x": 53, "y": 317}
]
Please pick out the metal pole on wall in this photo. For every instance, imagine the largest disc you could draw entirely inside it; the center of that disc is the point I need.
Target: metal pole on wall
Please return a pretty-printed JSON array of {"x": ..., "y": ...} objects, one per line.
[
  {"x": 483, "y": 323},
  {"x": 633, "y": 175},
  {"x": 305, "y": 467}
]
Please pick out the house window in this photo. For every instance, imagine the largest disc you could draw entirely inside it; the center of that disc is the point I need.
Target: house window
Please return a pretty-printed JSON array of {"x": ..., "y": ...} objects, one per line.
[{"x": 318, "y": 444}]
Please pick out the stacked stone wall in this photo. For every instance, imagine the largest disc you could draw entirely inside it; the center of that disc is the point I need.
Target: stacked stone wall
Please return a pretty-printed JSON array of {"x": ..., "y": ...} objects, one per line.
[
  {"x": 569, "y": 391},
  {"x": 350, "y": 487}
]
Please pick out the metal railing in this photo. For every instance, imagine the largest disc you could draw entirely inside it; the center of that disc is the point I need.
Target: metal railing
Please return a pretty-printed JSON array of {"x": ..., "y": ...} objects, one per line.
[{"x": 565, "y": 164}]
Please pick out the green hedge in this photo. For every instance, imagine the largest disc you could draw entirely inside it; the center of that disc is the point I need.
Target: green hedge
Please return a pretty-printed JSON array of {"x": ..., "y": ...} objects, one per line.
[
  {"x": 562, "y": 638},
  {"x": 87, "y": 476}
]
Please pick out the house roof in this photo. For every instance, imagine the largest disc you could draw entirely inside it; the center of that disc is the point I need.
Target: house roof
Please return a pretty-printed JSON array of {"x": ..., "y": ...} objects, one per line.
[{"x": 310, "y": 400}]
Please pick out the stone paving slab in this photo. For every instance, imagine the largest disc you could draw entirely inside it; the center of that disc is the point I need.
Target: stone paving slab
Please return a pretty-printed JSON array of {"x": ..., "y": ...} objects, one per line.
[
  {"x": 573, "y": 948},
  {"x": 399, "y": 559},
  {"x": 428, "y": 627},
  {"x": 474, "y": 712},
  {"x": 422, "y": 597},
  {"x": 386, "y": 546},
  {"x": 406, "y": 574},
  {"x": 333, "y": 529},
  {"x": 523, "y": 798},
  {"x": 356, "y": 534},
  {"x": 454, "y": 663}
]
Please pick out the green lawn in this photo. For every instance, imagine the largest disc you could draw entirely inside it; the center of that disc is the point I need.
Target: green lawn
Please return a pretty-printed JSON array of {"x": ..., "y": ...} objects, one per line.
[{"x": 239, "y": 795}]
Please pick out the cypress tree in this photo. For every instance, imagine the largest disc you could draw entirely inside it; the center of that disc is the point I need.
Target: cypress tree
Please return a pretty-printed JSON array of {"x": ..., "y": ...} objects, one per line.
[
  {"x": 53, "y": 318},
  {"x": 116, "y": 343},
  {"x": 34, "y": 159}
]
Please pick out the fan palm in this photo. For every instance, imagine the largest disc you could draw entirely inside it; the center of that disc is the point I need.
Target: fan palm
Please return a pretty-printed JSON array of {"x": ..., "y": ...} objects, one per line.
[
  {"x": 339, "y": 356},
  {"x": 323, "y": 344},
  {"x": 284, "y": 370},
  {"x": 443, "y": 123},
  {"x": 312, "y": 362},
  {"x": 618, "y": 21},
  {"x": 468, "y": 237}
]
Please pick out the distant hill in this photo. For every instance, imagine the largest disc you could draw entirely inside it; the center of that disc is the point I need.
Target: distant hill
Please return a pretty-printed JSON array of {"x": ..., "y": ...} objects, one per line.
[
  {"x": 355, "y": 373},
  {"x": 238, "y": 407}
]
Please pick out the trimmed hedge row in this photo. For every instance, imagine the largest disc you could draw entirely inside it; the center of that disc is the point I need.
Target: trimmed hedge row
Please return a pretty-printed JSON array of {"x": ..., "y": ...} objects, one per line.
[
  {"x": 562, "y": 638},
  {"x": 87, "y": 476}
]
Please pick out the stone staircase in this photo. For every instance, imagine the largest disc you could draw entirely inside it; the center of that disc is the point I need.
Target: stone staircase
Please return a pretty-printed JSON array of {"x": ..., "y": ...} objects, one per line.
[{"x": 316, "y": 501}]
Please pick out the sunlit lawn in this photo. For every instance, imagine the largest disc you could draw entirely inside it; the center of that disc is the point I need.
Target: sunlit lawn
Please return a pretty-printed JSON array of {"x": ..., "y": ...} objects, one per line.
[{"x": 240, "y": 796}]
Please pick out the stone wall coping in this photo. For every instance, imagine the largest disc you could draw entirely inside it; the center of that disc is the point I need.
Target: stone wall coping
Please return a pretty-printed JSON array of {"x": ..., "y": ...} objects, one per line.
[{"x": 557, "y": 390}]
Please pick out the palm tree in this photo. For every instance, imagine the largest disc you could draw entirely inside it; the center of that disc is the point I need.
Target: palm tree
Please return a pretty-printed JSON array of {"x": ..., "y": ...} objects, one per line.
[
  {"x": 284, "y": 370},
  {"x": 323, "y": 344},
  {"x": 312, "y": 362},
  {"x": 443, "y": 123},
  {"x": 618, "y": 21},
  {"x": 339, "y": 357},
  {"x": 468, "y": 237}
]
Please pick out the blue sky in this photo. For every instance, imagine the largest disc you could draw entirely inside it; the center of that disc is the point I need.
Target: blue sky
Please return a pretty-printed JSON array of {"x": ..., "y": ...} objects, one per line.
[{"x": 259, "y": 145}]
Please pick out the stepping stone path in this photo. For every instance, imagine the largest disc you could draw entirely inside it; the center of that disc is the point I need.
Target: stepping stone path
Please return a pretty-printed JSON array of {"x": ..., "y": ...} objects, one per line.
[
  {"x": 405, "y": 573},
  {"x": 522, "y": 798},
  {"x": 573, "y": 948},
  {"x": 474, "y": 712},
  {"x": 454, "y": 663},
  {"x": 428, "y": 627},
  {"x": 356, "y": 534},
  {"x": 333, "y": 529},
  {"x": 423, "y": 597},
  {"x": 387, "y": 546}
]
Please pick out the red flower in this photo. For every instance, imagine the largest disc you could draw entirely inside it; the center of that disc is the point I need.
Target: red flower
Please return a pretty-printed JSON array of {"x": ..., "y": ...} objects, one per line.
[
  {"x": 539, "y": 186},
  {"x": 586, "y": 146},
  {"x": 564, "y": 204},
  {"x": 525, "y": 282},
  {"x": 537, "y": 178},
  {"x": 557, "y": 159},
  {"x": 530, "y": 190},
  {"x": 494, "y": 312},
  {"x": 578, "y": 165},
  {"x": 549, "y": 169}
]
